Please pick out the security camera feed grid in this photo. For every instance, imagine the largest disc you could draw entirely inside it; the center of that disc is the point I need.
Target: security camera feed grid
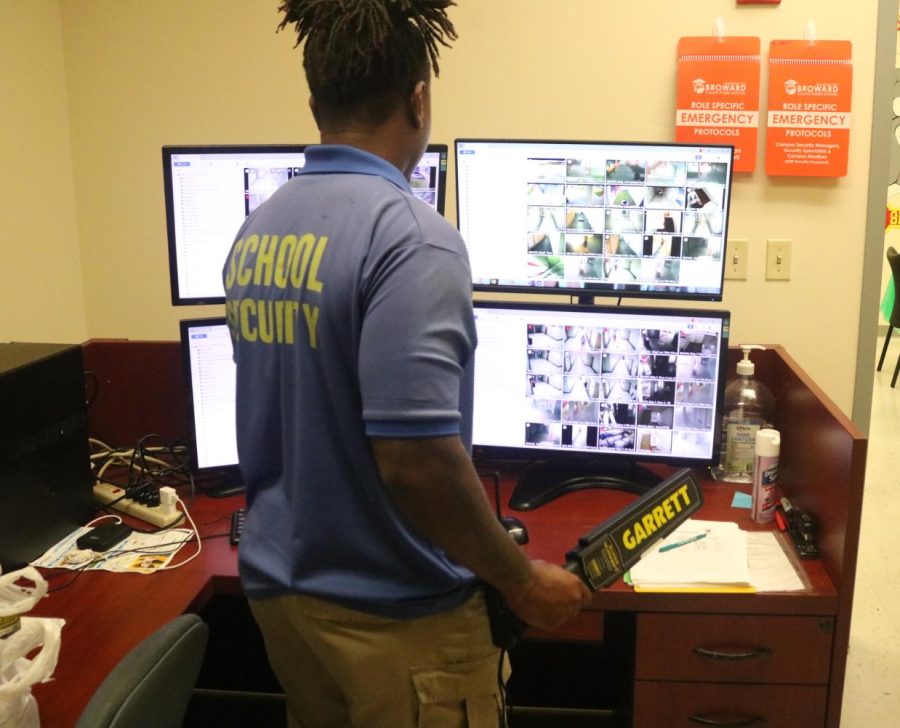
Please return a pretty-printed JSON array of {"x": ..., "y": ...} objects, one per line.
[
  {"x": 260, "y": 183},
  {"x": 628, "y": 390},
  {"x": 654, "y": 223},
  {"x": 425, "y": 180}
]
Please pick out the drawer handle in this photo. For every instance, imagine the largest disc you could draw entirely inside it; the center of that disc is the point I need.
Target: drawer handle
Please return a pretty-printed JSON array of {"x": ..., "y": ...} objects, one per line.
[
  {"x": 751, "y": 653},
  {"x": 736, "y": 721}
]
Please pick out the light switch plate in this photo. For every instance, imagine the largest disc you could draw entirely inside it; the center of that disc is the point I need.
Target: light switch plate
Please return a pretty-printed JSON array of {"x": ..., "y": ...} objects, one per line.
[
  {"x": 778, "y": 260},
  {"x": 736, "y": 260}
]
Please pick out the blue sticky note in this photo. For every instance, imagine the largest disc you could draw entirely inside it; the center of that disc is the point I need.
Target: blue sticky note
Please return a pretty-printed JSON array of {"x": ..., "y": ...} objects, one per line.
[{"x": 741, "y": 500}]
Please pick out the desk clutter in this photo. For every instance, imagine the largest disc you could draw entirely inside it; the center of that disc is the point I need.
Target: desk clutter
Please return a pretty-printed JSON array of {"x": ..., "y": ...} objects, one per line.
[
  {"x": 802, "y": 681},
  {"x": 142, "y": 553},
  {"x": 139, "y": 482},
  {"x": 716, "y": 556}
]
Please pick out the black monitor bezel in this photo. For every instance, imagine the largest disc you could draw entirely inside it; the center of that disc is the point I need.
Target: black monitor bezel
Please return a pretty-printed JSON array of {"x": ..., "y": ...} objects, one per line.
[
  {"x": 619, "y": 290},
  {"x": 168, "y": 151},
  {"x": 444, "y": 151},
  {"x": 217, "y": 472},
  {"x": 531, "y": 455}
]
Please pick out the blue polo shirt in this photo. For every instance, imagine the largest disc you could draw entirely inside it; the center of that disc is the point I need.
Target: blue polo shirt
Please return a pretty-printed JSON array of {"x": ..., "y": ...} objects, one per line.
[{"x": 349, "y": 302}]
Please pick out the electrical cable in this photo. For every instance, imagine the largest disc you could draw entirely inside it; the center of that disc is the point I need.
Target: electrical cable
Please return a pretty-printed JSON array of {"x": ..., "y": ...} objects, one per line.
[
  {"x": 146, "y": 550},
  {"x": 142, "y": 470},
  {"x": 81, "y": 569},
  {"x": 495, "y": 477},
  {"x": 216, "y": 535},
  {"x": 195, "y": 532},
  {"x": 505, "y": 705},
  {"x": 90, "y": 524}
]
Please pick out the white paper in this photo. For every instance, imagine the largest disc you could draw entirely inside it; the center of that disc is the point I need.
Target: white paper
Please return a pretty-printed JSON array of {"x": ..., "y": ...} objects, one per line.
[
  {"x": 720, "y": 558},
  {"x": 143, "y": 553},
  {"x": 771, "y": 569}
]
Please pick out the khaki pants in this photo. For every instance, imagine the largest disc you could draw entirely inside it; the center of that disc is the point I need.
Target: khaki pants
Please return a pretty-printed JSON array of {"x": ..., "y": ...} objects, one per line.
[{"x": 341, "y": 668}]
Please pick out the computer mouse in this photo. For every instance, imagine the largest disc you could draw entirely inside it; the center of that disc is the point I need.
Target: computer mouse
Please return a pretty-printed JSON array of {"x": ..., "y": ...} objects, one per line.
[{"x": 516, "y": 529}]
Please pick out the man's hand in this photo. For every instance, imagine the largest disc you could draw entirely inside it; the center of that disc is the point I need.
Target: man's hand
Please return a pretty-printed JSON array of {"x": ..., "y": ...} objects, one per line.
[{"x": 550, "y": 597}]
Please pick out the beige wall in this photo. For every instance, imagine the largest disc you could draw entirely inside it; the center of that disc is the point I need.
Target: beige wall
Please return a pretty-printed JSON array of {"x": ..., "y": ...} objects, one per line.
[
  {"x": 140, "y": 75},
  {"x": 41, "y": 296}
]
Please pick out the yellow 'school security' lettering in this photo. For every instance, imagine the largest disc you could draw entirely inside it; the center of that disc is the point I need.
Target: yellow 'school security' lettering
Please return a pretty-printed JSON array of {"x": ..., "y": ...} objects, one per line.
[
  {"x": 276, "y": 261},
  {"x": 312, "y": 321},
  {"x": 271, "y": 322},
  {"x": 265, "y": 260},
  {"x": 248, "y": 329},
  {"x": 271, "y": 262},
  {"x": 231, "y": 275},
  {"x": 283, "y": 265},
  {"x": 312, "y": 282},
  {"x": 301, "y": 259},
  {"x": 649, "y": 523},
  {"x": 243, "y": 275}
]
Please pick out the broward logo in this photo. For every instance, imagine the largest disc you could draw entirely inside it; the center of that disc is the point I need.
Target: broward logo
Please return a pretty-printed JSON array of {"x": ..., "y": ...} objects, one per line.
[
  {"x": 733, "y": 88},
  {"x": 792, "y": 88}
]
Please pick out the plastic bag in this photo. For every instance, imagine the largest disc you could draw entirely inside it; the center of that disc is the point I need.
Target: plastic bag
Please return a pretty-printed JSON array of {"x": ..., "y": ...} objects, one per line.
[
  {"x": 17, "y": 598},
  {"x": 18, "y": 671}
]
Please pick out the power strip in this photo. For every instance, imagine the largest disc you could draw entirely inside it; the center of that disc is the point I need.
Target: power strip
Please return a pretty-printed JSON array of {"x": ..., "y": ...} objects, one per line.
[{"x": 162, "y": 515}]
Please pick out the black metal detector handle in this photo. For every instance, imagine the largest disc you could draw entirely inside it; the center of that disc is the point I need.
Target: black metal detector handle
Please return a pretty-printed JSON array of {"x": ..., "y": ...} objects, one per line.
[
  {"x": 604, "y": 554},
  {"x": 506, "y": 627}
]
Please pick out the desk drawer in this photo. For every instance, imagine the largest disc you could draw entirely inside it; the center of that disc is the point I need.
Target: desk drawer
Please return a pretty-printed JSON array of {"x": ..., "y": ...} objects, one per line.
[
  {"x": 690, "y": 705},
  {"x": 733, "y": 648},
  {"x": 586, "y": 627}
]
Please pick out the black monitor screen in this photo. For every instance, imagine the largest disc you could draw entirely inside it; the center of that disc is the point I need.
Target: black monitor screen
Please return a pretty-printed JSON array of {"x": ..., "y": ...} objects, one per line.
[
  {"x": 210, "y": 377},
  {"x": 595, "y": 218},
  {"x": 210, "y": 191},
  {"x": 591, "y": 388}
]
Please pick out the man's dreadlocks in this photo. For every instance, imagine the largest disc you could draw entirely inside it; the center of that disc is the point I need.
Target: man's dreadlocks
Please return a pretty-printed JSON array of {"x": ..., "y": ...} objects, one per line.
[{"x": 363, "y": 56}]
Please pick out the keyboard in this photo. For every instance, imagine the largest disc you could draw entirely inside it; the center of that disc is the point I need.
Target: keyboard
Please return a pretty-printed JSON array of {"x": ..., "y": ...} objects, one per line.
[{"x": 237, "y": 525}]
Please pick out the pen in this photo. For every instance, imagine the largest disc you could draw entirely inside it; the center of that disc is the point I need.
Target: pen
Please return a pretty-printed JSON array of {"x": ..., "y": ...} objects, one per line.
[{"x": 683, "y": 542}]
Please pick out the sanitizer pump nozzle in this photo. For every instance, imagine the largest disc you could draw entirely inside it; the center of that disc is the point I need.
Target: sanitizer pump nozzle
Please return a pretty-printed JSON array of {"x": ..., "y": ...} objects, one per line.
[{"x": 745, "y": 366}]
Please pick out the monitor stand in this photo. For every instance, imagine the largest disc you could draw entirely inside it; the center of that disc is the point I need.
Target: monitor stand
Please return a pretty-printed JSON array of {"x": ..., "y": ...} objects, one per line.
[
  {"x": 226, "y": 489},
  {"x": 223, "y": 487},
  {"x": 543, "y": 482}
]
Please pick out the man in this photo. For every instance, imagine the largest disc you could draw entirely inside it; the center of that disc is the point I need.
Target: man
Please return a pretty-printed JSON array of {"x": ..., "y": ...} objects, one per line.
[{"x": 368, "y": 531}]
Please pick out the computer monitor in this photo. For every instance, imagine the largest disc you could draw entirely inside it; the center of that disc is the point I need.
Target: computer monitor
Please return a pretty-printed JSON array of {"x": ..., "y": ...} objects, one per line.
[
  {"x": 210, "y": 376},
  {"x": 595, "y": 218},
  {"x": 429, "y": 178},
  {"x": 587, "y": 394},
  {"x": 584, "y": 394},
  {"x": 210, "y": 191}
]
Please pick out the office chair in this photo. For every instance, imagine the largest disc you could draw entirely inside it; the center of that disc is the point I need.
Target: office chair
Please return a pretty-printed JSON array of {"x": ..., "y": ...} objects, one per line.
[
  {"x": 152, "y": 684},
  {"x": 894, "y": 261}
]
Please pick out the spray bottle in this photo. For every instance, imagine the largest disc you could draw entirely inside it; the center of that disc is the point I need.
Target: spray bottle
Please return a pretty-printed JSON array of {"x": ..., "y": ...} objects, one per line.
[
  {"x": 749, "y": 407},
  {"x": 765, "y": 476}
]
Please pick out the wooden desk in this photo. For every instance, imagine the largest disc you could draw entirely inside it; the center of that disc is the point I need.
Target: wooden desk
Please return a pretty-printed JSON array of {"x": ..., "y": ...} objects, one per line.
[
  {"x": 107, "y": 614},
  {"x": 822, "y": 468}
]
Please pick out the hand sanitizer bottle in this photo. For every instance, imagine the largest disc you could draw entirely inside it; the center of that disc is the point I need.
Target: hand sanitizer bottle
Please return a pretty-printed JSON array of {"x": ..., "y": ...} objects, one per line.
[{"x": 749, "y": 407}]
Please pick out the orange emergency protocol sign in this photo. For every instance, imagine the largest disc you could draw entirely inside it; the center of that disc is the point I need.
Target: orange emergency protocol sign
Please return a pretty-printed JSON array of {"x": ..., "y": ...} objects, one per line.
[
  {"x": 810, "y": 84},
  {"x": 718, "y": 95}
]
